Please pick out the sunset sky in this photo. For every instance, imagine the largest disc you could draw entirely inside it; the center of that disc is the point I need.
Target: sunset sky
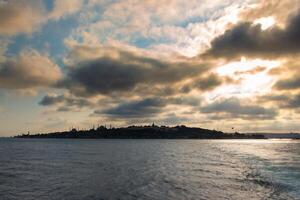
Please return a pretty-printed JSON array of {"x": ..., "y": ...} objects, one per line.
[{"x": 214, "y": 64}]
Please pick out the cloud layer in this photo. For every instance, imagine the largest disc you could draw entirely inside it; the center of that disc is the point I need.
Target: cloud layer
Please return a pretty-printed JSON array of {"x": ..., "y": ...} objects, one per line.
[
  {"x": 250, "y": 40},
  {"x": 127, "y": 72},
  {"x": 233, "y": 108}
]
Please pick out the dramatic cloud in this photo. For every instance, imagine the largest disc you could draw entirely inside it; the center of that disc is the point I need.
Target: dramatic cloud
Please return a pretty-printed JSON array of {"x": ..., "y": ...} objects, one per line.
[
  {"x": 28, "y": 70},
  {"x": 18, "y": 16},
  {"x": 233, "y": 108},
  {"x": 280, "y": 9},
  {"x": 126, "y": 71},
  {"x": 247, "y": 39}
]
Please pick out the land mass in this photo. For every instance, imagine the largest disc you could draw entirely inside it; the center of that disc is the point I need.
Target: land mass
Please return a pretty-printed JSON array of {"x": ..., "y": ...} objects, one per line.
[{"x": 144, "y": 132}]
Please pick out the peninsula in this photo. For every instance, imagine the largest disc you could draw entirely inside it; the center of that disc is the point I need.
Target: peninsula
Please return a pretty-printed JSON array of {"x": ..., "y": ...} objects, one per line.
[{"x": 144, "y": 132}]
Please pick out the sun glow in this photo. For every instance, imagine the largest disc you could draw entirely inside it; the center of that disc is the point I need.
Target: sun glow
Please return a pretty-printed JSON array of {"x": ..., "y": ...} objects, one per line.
[
  {"x": 265, "y": 22},
  {"x": 245, "y": 65},
  {"x": 250, "y": 78}
]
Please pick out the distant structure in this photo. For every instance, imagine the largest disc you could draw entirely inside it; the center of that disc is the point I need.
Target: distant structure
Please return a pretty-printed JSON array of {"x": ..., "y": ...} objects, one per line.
[{"x": 144, "y": 132}]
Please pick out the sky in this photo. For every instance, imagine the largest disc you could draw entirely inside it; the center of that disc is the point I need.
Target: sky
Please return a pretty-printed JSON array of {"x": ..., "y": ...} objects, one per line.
[{"x": 229, "y": 65}]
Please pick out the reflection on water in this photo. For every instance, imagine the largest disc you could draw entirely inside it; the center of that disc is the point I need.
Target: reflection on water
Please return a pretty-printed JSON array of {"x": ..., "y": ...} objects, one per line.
[{"x": 149, "y": 169}]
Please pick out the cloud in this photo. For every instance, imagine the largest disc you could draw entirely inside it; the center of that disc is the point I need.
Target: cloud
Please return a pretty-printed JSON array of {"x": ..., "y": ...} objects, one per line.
[
  {"x": 18, "y": 16},
  {"x": 184, "y": 100},
  {"x": 208, "y": 82},
  {"x": 233, "y": 108},
  {"x": 288, "y": 83},
  {"x": 4, "y": 43},
  {"x": 49, "y": 100},
  {"x": 280, "y": 9},
  {"x": 164, "y": 11},
  {"x": 142, "y": 108},
  {"x": 65, "y": 102},
  {"x": 28, "y": 70},
  {"x": 286, "y": 75},
  {"x": 125, "y": 71},
  {"x": 2, "y": 110},
  {"x": 148, "y": 107},
  {"x": 273, "y": 97},
  {"x": 293, "y": 102},
  {"x": 247, "y": 39},
  {"x": 21, "y": 16},
  {"x": 169, "y": 26},
  {"x": 253, "y": 71},
  {"x": 62, "y": 8},
  {"x": 283, "y": 100}
]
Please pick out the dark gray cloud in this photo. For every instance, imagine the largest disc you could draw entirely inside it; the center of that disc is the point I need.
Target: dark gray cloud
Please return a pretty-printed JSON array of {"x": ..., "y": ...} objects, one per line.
[
  {"x": 65, "y": 102},
  {"x": 285, "y": 101},
  {"x": 50, "y": 100},
  {"x": 294, "y": 101},
  {"x": 148, "y": 107},
  {"x": 287, "y": 75},
  {"x": 273, "y": 97},
  {"x": 233, "y": 108},
  {"x": 247, "y": 39},
  {"x": 208, "y": 83},
  {"x": 288, "y": 84},
  {"x": 142, "y": 108},
  {"x": 128, "y": 73}
]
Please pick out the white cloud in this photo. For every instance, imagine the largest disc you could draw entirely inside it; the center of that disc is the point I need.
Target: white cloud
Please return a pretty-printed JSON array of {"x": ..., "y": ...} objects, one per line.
[
  {"x": 174, "y": 26},
  {"x": 63, "y": 8}
]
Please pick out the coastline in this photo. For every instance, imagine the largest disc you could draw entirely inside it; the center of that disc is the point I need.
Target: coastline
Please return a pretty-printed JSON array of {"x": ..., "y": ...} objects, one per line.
[{"x": 144, "y": 132}]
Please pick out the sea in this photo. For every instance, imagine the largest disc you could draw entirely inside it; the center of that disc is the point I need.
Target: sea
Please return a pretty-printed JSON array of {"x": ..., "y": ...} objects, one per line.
[{"x": 100, "y": 169}]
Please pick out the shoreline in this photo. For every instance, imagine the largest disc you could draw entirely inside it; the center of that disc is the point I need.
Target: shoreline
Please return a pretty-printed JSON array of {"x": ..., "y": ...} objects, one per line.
[{"x": 144, "y": 132}]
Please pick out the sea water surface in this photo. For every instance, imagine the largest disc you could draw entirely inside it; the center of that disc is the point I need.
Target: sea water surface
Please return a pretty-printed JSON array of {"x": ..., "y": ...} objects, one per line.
[{"x": 74, "y": 169}]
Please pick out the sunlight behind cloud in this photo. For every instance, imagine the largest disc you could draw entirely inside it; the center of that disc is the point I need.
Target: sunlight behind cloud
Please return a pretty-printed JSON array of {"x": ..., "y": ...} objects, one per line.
[
  {"x": 245, "y": 65},
  {"x": 251, "y": 76},
  {"x": 265, "y": 22}
]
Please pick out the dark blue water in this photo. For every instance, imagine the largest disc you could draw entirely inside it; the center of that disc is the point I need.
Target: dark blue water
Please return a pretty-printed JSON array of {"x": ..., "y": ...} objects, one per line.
[{"x": 149, "y": 169}]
